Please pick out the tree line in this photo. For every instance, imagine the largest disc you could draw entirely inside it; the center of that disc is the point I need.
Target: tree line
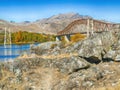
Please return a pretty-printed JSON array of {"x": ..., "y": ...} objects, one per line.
[{"x": 28, "y": 37}]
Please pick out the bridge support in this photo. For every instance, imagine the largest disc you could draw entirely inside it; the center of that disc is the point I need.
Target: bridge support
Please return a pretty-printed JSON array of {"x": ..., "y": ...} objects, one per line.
[
  {"x": 88, "y": 25},
  {"x": 58, "y": 38},
  {"x": 92, "y": 27},
  {"x": 67, "y": 38}
]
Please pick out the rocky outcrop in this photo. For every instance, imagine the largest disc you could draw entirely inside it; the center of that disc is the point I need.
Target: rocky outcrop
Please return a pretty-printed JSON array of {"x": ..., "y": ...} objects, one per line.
[
  {"x": 96, "y": 45},
  {"x": 41, "y": 71},
  {"x": 1, "y": 75},
  {"x": 64, "y": 65},
  {"x": 44, "y": 48},
  {"x": 70, "y": 65},
  {"x": 37, "y": 74},
  {"x": 94, "y": 48},
  {"x": 81, "y": 80},
  {"x": 55, "y": 67}
]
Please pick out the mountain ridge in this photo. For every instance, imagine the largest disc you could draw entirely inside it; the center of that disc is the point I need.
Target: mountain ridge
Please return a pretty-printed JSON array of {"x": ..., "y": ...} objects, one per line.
[{"x": 50, "y": 25}]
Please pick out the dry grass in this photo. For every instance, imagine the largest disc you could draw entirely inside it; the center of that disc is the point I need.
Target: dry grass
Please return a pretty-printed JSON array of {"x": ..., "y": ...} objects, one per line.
[
  {"x": 42, "y": 78},
  {"x": 5, "y": 75},
  {"x": 59, "y": 56},
  {"x": 77, "y": 37},
  {"x": 66, "y": 55},
  {"x": 11, "y": 84},
  {"x": 117, "y": 87},
  {"x": 38, "y": 78}
]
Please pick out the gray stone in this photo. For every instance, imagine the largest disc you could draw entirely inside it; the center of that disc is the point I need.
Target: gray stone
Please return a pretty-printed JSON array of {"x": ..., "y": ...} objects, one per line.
[
  {"x": 43, "y": 48},
  {"x": 114, "y": 52},
  {"x": 110, "y": 54},
  {"x": 71, "y": 64},
  {"x": 96, "y": 46},
  {"x": 18, "y": 72},
  {"x": 87, "y": 83},
  {"x": 117, "y": 58},
  {"x": 66, "y": 65},
  {"x": 1, "y": 74}
]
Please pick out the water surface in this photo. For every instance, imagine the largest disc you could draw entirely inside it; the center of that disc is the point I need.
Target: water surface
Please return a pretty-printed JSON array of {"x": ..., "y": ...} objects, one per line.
[{"x": 9, "y": 52}]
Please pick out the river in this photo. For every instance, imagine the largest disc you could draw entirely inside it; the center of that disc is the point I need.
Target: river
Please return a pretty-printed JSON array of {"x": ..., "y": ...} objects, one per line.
[{"x": 9, "y": 52}]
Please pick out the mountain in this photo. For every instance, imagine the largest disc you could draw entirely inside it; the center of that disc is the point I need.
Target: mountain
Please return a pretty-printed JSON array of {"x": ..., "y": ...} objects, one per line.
[{"x": 50, "y": 25}]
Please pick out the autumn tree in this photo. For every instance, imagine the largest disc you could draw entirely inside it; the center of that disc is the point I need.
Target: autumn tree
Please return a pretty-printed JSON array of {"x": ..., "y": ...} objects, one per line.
[{"x": 18, "y": 36}]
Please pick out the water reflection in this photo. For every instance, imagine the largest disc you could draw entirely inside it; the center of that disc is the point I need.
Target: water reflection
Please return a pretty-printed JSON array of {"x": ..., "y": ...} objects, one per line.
[{"x": 8, "y": 52}]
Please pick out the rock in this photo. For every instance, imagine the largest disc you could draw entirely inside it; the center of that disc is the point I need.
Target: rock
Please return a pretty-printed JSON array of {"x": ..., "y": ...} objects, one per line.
[
  {"x": 64, "y": 65},
  {"x": 28, "y": 88},
  {"x": 117, "y": 58},
  {"x": 96, "y": 46},
  {"x": 2, "y": 86},
  {"x": 1, "y": 74},
  {"x": 23, "y": 55},
  {"x": 71, "y": 64},
  {"x": 43, "y": 48},
  {"x": 49, "y": 45},
  {"x": 110, "y": 55},
  {"x": 113, "y": 53},
  {"x": 18, "y": 72},
  {"x": 87, "y": 83}
]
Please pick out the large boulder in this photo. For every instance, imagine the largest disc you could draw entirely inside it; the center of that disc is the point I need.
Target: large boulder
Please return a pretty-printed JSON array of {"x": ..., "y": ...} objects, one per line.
[
  {"x": 81, "y": 80},
  {"x": 114, "y": 52},
  {"x": 95, "y": 46},
  {"x": 110, "y": 55},
  {"x": 70, "y": 64}
]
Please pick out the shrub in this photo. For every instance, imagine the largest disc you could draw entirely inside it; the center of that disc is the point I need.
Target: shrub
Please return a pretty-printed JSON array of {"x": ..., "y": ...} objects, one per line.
[
  {"x": 77, "y": 37},
  {"x": 53, "y": 46}
]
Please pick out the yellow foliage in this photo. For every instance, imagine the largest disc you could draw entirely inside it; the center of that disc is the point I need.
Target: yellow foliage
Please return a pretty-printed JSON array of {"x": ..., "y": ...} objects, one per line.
[
  {"x": 18, "y": 36},
  {"x": 77, "y": 37}
]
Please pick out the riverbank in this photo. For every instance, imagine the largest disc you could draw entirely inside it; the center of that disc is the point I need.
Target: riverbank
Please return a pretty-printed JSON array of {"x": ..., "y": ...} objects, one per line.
[
  {"x": 21, "y": 43},
  {"x": 89, "y": 64}
]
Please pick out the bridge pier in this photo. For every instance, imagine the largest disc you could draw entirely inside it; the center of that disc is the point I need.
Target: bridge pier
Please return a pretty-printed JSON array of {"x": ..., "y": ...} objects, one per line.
[
  {"x": 92, "y": 27},
  {"x": 58, "y": 38},
  {"x": 67, "y": 38},
  {"x": 88, "y": 27}
]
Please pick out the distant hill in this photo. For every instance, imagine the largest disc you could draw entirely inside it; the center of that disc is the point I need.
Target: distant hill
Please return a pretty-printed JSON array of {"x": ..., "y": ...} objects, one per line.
[{"x": 50, "y": 25}]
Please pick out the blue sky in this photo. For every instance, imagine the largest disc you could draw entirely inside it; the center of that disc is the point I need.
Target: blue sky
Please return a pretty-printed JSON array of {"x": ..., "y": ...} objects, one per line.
[{"x": 31, "y": 10}]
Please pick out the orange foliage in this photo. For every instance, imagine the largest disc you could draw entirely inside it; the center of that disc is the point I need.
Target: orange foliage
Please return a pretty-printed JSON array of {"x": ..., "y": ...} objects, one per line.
[
  {"x": 18, "y": 36},
  {"x": 77, "y": 37}
]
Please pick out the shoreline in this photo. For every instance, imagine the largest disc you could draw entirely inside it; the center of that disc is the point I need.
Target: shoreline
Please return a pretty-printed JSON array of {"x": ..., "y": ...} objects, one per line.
[{"x": 22, "y": 43}]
